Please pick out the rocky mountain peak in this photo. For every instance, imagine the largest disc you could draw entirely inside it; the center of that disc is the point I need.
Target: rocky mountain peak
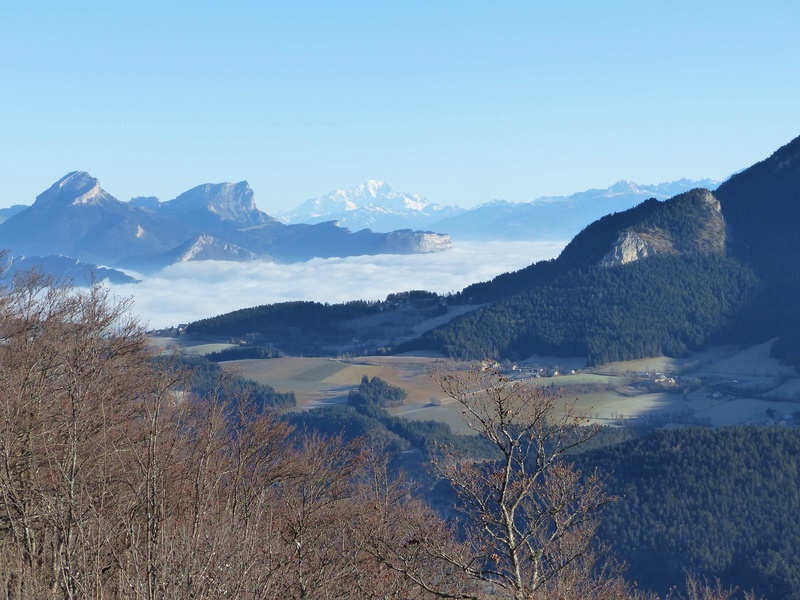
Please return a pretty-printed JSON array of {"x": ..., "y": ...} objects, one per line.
[
  {"x": 224, "y": 202},
  {"x": 624, "y": 186},
  {"x": 372, "y": 204},
  {"x": 218, "y": 196},
  {"x": 75, "y": 188},
  {"x": 705, "y": 197}
]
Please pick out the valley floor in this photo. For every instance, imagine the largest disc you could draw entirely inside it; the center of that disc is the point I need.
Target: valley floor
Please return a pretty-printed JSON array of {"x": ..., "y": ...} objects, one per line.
[{"x": 722, "y": 386}]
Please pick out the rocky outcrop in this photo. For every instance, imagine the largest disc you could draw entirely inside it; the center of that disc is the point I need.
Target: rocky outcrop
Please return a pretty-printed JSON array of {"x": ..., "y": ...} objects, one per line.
[
  {"x": 432, "y": 242},
  {"x": 629, "y": 247},
  {"x": 216, "y": 206},
  {"x": 207, "y": 247},
  {"x": 691, "y": 223},
  {"x": 75, "y": 188},
  {"x": 405, "y": 241}
]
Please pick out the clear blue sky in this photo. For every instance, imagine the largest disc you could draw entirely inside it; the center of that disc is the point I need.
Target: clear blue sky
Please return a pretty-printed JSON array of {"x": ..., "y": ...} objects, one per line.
[{"x": 458, "y": 101}]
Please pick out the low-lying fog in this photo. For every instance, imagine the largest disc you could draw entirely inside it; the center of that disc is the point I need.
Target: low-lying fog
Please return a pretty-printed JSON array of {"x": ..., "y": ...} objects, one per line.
[{"x": 189, "y": 291}]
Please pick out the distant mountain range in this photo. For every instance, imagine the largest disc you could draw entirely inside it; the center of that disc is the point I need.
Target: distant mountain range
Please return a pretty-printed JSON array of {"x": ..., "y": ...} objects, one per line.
[
  {"x": 64, "y": 267},
  {"x": 76, "y": 218},
  {"x": 376, "y": 205}
]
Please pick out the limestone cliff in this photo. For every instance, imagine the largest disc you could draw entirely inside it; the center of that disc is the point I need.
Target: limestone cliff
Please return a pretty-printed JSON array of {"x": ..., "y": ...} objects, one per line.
[
  {"x": 405, "y": 241},
  {"x": 691, "y": 223}
]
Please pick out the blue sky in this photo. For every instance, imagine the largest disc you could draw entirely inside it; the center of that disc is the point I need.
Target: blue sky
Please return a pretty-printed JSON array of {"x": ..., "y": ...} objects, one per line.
[{"x": 461, "y": 102}]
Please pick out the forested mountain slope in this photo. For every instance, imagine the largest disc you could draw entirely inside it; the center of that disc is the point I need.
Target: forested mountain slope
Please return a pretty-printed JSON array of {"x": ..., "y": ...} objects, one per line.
[
  {"x": 661, "y": 278},
  {"x": 651, "y": 280},
  {"x": 762, "y": 209},
  {"x": 711, "y": 502}
]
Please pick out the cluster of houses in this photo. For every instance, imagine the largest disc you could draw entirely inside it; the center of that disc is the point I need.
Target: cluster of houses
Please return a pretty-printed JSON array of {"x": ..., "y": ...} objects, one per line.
[{"x": 527, "y": 371}]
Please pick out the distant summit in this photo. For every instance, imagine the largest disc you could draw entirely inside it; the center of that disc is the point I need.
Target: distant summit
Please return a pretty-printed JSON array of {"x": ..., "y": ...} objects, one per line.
[
  {"x": 374, "y": 205},
  {"x": 75, "y": 217},
  {"x": 211, "y": 206},
  {"x": 557, "y": 217},
  {"x": 75, "y": 188}
]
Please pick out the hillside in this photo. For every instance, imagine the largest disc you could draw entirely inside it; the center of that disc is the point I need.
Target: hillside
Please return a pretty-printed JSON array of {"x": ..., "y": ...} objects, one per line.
[
  {"x": 762, "y": 209},
  {"x": 651, "y": 280},
  {"x": 717, "y": 502},
  {"x": 661, "y": 278}
]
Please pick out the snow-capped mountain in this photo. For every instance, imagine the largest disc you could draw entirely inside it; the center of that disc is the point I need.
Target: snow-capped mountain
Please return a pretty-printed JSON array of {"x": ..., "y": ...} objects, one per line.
[
  {"x": 374, "y": 205},
  {"x": 557, "y": 217},
  {"x": 377, "y": 206}
]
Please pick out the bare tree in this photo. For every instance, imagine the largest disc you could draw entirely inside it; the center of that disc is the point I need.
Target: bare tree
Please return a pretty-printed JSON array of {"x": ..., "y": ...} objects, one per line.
[
  {"x": 71, "y": 367},
  {"x": 528, "y": 517}
]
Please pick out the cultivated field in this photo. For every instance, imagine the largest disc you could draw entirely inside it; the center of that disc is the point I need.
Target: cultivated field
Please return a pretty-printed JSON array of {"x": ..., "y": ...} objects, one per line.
[{"x": 717, "y": 387}]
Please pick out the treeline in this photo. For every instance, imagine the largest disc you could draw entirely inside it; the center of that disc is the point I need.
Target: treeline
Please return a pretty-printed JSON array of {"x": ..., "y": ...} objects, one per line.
[
  {"x": 303, "y": 327},
  {"x": 716, "y": 503},
  {"x": 295, "y": 327},
  {"x": 662, "y": 305},
  {"x": 206, "y": 378},
  {"x": 787, "y": 347},
  {"x": 247, "y": 352},
  {"x": 377, "y": 391},
  {"x": 397, "y": 434}
]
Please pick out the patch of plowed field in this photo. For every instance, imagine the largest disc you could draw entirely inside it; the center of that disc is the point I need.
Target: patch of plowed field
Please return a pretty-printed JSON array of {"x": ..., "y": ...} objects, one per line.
[{"x": 323, "y": 379}]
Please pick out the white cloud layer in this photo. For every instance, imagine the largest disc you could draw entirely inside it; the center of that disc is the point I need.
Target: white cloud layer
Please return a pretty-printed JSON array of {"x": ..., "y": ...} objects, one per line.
[{"x": 189, "y": 291}]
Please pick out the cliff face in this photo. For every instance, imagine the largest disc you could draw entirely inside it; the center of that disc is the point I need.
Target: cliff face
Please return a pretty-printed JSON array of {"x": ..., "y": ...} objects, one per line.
[
  {"x": 629, "y": 247},
  {"x": 691, "y": 223},
  {"x": 432, "y": 242},
  {"x": 405, "y": 241}
]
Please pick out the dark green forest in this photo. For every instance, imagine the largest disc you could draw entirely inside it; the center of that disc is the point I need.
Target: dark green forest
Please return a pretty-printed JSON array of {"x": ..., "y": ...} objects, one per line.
[
  {"x": 245, "y": 352},
  {"x": 666, "y": 305},
  {"x": 711, "y": 502},
  {"x": 298, "y": 327},
  {"x": 377, "y": 391},
  {"x": 305, "y": 328}
]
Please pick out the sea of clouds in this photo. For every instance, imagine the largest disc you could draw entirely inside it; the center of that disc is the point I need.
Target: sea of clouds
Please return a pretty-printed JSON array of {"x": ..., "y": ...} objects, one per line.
[{"x": 185, "y": 292}]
